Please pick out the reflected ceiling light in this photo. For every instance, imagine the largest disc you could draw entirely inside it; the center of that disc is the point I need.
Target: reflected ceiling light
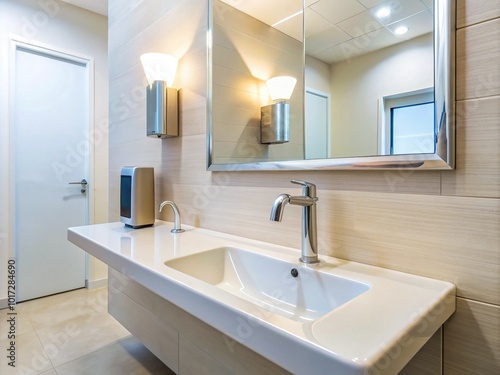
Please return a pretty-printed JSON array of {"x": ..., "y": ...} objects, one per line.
[
  {"x": 275, "y": 118},
  {"x": 401, "y": 30},
  {"x": 161, "y": 99},
  {"x": 383, "y": 12}
]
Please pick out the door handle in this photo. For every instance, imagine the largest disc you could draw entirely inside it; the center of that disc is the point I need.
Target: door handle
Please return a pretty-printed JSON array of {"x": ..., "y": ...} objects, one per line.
[{"x": 83, "y": 183}]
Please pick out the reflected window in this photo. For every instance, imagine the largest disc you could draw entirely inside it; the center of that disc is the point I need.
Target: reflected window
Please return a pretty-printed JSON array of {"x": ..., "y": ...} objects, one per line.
[
  {"x": 412, "y": 129},
  {"x": 406, "y": 123}
]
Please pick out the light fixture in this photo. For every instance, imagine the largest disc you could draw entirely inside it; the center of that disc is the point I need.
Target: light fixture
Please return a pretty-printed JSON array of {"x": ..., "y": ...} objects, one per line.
[
  {"x": 401, "y": 30},
  {"x": 275, "y": 118},
  {"x": 383, "y": 12},
  {"x": 162, "y": 112}
]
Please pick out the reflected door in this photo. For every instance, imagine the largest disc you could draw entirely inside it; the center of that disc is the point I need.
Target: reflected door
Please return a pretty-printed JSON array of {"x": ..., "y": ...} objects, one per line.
[
  {"x": 316, "y": 125},
  {"x": 50, "y": 149}
]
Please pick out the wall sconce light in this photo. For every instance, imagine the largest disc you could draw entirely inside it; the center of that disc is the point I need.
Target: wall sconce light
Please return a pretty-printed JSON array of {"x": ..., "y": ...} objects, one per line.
[
  {"x": 275, "y": 118},
  {"x": 161, "y": 98}
]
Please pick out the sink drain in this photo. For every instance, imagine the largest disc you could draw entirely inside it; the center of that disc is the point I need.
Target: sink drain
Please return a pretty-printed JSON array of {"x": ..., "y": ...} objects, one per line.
[{"x": 294, "y": 272}]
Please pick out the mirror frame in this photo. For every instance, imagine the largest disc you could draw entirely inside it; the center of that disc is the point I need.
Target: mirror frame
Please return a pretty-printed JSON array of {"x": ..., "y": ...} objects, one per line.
[{"x": 444, "y": 98}]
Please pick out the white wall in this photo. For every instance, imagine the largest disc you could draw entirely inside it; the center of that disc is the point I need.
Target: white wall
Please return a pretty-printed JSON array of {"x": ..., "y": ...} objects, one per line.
[
  {"x": 317, "y": 74},
  {"x": 359, "y": 84},
  {"x": 66, "y": 27}
]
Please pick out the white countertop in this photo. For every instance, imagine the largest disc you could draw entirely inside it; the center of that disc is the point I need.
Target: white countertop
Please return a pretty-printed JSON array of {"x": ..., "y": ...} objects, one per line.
[{"x": 377, "y": 332}]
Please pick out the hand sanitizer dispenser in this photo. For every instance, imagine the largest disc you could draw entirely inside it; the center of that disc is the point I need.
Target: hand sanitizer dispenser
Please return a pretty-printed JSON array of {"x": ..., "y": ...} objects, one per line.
[{"x": 137, "y": 197}]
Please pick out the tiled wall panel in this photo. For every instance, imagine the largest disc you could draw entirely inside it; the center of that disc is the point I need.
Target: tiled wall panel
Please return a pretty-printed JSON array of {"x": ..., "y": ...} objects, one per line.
[
  {"x": 472, "y": 342},
  {"x": 478, "y": 150},
  {"x": 477, "y": 48},
  {"x": 470, "y": 12}
]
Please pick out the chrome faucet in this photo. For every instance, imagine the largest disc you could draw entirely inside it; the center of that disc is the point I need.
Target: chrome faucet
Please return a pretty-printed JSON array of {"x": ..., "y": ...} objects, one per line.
[
  {"x": 177, "y": 216},
  {"x": 309, "y": 226}
]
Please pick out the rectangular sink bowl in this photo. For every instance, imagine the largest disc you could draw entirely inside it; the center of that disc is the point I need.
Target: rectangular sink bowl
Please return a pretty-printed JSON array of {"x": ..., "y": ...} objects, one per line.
[{"x": 268, "y": 282}]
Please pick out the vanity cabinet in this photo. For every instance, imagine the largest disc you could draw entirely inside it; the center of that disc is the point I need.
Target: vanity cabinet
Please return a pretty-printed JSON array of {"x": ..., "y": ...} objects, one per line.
[
  {"x": 184, "y": 343},
  {"x": 189, "y": 346}
]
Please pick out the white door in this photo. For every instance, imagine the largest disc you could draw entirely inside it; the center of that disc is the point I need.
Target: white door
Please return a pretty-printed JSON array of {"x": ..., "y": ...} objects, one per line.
[
  {"x": 316, "y": 125},
  {"x": 50, "y": 149}
]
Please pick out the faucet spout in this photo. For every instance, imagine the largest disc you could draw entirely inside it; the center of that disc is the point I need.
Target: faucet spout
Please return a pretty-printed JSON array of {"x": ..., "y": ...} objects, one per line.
[
  {"x": 177, "y": 216},
  {"x": 279, "y": 206},
  {"x": 309, "y": 226}
]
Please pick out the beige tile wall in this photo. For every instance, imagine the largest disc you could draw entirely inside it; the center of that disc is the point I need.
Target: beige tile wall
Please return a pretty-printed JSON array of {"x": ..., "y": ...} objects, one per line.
[{"x": 443, "y": 225}]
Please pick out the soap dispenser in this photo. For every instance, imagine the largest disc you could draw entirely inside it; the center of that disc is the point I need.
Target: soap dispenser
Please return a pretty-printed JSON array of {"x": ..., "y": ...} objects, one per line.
[{"x": 137, "y": 197}]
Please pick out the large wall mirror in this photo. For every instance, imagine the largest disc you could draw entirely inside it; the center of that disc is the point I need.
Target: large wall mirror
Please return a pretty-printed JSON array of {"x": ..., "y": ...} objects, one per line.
[{"x": 374, "y": 84}]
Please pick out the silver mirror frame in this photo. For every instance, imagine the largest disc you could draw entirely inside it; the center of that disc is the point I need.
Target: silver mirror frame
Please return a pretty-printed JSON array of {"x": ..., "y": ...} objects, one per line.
[{"x": 444, "y": 96}]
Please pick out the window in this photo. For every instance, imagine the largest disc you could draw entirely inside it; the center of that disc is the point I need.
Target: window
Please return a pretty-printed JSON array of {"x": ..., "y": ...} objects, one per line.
[{"x": 406, "y": 124}]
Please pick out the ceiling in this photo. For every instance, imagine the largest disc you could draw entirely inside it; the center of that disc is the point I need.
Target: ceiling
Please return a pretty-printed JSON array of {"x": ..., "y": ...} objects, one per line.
[
  {"x": 96, "y": 6},
  {"x": 337, "y": 30}
]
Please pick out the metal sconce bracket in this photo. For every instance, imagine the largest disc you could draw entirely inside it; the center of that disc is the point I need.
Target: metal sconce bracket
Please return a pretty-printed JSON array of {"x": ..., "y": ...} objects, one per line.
[
  {"x": 275, "y": 123},
  {"x": 162, "y": 111}
]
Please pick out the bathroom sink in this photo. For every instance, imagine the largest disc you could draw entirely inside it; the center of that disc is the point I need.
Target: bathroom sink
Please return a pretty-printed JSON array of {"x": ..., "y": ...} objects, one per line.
[
  {"x": 307, "y": 295},
  {"x": 342, "y": 317}
]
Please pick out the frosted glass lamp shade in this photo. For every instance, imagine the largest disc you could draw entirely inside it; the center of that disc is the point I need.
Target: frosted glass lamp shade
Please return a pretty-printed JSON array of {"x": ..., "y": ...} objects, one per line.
[
  {"x": 159, "y": 67},
  {"x": 281, "y": 88}
]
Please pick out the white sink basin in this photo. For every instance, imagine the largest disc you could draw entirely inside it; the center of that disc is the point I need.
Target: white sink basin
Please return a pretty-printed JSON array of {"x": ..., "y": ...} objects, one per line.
[{"x": 268, "y": 282}]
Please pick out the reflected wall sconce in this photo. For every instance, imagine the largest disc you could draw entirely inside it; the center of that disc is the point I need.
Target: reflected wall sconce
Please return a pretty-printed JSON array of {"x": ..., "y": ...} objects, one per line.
[
  {"x": 275, "y": 118},
  {"x": 161, "y": 98}
]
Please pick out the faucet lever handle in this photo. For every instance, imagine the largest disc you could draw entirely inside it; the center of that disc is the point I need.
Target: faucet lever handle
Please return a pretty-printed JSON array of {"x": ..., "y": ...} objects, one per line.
[
  {"x": 303, "y": 183},
  {"x": 308, "y": 188}
]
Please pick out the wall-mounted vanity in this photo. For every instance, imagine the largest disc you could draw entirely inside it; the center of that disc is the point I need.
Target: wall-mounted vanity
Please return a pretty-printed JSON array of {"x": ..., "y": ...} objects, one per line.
[
  {"x": 207, "y": 302},
  {"x": 375, "y": 84}
]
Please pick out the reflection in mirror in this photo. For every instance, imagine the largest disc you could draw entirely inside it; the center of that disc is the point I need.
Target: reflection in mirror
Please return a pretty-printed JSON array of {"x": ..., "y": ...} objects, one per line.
[
  {"x": 248, "y": 51},
  {"x": 367, "y": 95},
  {"x": 359, "y": 56}
]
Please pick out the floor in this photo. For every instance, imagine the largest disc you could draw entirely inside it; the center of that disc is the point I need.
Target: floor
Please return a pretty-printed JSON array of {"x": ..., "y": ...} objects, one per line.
[{"x": 72, "y": 334}]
